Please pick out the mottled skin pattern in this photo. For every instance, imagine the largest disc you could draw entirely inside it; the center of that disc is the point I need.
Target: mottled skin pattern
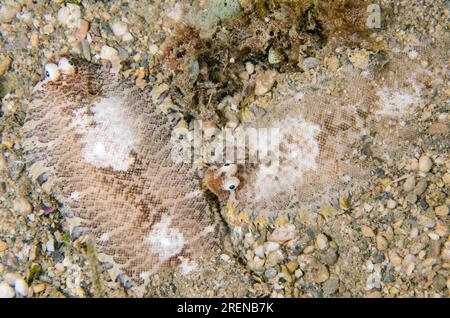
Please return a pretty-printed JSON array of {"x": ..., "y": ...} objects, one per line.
[
  {"x": 339, "y": 128},
  {"x": 347, "y": 115},
  {"x": 118, "y": 208}
]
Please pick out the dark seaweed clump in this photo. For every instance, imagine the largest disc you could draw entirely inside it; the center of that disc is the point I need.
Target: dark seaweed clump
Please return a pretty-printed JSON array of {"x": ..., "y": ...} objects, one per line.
[{"x": 202, "y": 72}]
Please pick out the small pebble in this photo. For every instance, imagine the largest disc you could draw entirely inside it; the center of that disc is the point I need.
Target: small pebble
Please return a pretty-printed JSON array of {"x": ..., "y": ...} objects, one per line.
[
  {"x": 441, "y": 210},
  {"x": 283, "y": 234},
  {"x": 271, "y": 246},
  {"x": 446, "y": 178},
  {"x": 309, "y": 249},
  {"x": 391, "y": 204},
  {"x": 60, "y": 267},
  {"x": 441, "y": 229},
  {"x": 319, "y": 272},
  {"x": 292, "y": 266},
  {"x": 373, "y": 294},
  {"x": 409, "y": 184},
  {"x": 10, "y": 278},
  {"x": 256, "y": 264},
  {"x": 331, "y": 286},
  {"x": 321, "y": 241},
  {"x": 378, "y": 258},
  {"x": 413, "y": 54},
  {"x": 50, "y": 245},
  {"x": 330, "y": 257},
  {"x": 382, "y": 243},
  {"x": 2, "y": 164},
  {"x": 153, "y": 49},
  {"x": 270, "y": 273},
  {"x": 82, "y": 30},
  {"x": 275, "y": 56},
  {"x": 108, "y": 53},
  {"x": 298, "y": 273},
  {"x": 367, "y": 231},
  {"x": 250, "y": 68},
  {"x": 426, "y": 221},
  {"x": 39, "y": 288},
  {"x": 22, "y": 206},
  {"x": 119, "y": 28},
  {"x": 439, "y": 282},
  {"x": 394, "y": 258},
  {"x": 6, "y": 291},
  {"x": 411, "y": 198},
  {"x": 425, "y": 164},
  {"x": 259, "y": 251},
  {"x": 3, "y": 246},
  {"x": 433, "y": 236},
  {"x": 420, "y": 187},
  {"x": 264, "y": 82},
  {"x": 274, "y": 258},
  {"x": 21, "y": 287},
  {"x": 5, "y": 64},
  {"x": 69, "y": 15}
]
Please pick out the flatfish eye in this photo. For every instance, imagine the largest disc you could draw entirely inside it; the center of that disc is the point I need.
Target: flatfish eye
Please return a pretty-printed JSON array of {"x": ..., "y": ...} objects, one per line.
[
  {"x": 229, "y": 169},
  {"x": 51, "y": 72},
  {"x": 231, "y": 184},
  {"x": 66, "y": 66}
]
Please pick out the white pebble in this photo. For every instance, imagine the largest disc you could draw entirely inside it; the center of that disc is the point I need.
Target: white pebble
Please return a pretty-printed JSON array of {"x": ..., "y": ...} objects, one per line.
[
  {"x": 271, "y": 246},
  {"x": 259, "y": 251},
  {"x": 425, "y": 164},
  {"x": 50, "y": 245},
  {"x": 153, "y": 48},
  {"x": 321, "y": 241},
  {"x": 119, "y": 28},
  {"x": 69, "y": 15},
  {"x": 250, "y": 68},
  {"x": 6, "y": 291},
  {"x": 391, "y": 204},
  {"x": 433, "y": 236},
  {"x": 298, "y": 273},
  {"x": 109, "y": 53},
  {"x": 127, "y": 37},
  {"x": 283, "y": 234},
  {"x": 369, "y": 266},
  {"x": 21, "y": 287},
  {"x": 413, "y": 54}
]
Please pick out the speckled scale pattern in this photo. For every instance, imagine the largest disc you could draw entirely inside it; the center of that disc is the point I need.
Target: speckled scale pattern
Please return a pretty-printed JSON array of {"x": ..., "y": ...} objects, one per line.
[{"x": 119, "y": 208}]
